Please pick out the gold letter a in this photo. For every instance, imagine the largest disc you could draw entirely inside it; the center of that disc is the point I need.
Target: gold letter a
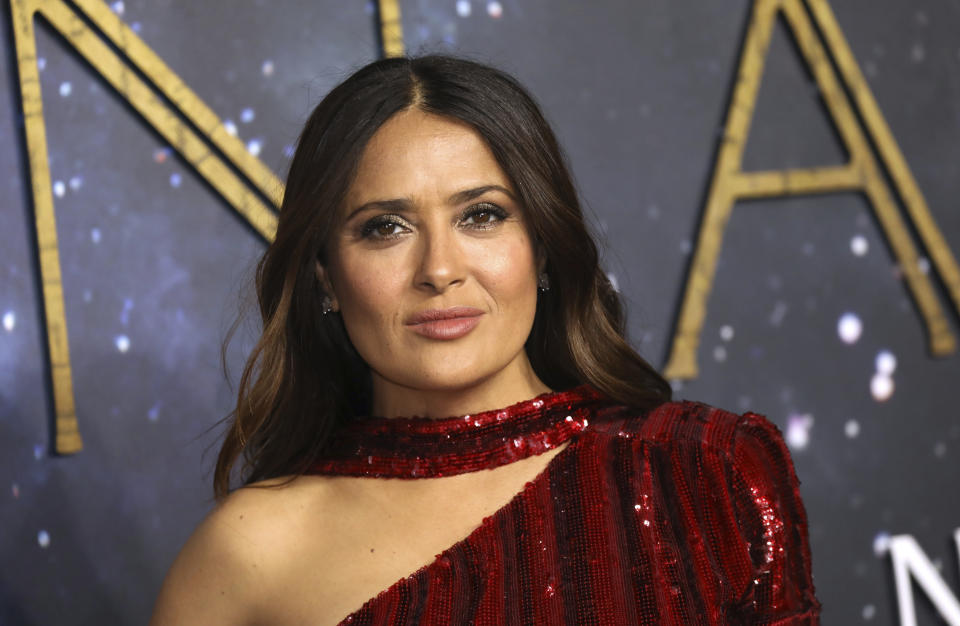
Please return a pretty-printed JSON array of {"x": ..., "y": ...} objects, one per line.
[{"x": 862, "y": 173}]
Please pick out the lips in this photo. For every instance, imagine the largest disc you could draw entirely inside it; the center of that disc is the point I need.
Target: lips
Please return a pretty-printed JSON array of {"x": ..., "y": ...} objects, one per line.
[
  {"x": 436, "y": 315},
  {"x": 449, "y": 323}
]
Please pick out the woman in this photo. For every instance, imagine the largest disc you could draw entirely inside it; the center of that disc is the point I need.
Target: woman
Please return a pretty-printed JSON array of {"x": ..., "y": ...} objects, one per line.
[{"x": 442, "y": 422}]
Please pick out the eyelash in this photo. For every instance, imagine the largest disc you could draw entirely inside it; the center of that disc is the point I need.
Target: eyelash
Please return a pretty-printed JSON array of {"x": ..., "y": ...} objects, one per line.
[{"x": 367, "y": 231}]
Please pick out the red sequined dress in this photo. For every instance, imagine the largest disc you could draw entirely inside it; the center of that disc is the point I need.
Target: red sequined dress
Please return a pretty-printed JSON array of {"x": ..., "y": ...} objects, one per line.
[{"x": 685, "y": 514}]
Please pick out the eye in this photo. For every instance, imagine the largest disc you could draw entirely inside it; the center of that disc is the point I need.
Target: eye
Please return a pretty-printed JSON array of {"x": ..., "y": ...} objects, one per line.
[
  {"x": 483, "y": 215},
  {"x": 382, "y": 227}
]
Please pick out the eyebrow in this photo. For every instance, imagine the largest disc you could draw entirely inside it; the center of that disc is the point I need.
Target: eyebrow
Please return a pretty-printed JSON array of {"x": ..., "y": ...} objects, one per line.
[{"x": 403, "y": 204}]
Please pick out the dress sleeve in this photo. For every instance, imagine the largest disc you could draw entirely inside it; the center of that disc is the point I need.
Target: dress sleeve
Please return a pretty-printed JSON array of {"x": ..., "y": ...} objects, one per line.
[{"x": 773, "y": 524}]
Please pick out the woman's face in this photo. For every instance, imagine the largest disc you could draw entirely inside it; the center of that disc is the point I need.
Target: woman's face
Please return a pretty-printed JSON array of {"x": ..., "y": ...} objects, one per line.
[{"x": 432, "y": 223}]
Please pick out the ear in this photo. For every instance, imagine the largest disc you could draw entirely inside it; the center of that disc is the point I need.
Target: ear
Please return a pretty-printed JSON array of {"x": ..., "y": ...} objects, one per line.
[{"x": 326, "y": 286}]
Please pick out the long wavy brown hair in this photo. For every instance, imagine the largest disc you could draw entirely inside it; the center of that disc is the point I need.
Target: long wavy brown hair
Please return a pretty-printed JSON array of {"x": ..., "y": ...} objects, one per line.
[{"x": 303, "y": 376}]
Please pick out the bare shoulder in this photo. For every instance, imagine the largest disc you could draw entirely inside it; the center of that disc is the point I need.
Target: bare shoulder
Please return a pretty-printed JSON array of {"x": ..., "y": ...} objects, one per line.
[{"x": 233, "y": 567}]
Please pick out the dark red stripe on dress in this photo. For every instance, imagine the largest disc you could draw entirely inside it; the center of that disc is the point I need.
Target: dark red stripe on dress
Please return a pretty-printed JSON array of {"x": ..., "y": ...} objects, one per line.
[
  {"x": 468, "y": 588},
  {"x": 682, "y": 595},
  {"x": 543, "y": 549},
  {"x": 509, "y": 563},
  {"x": 418, "y": 600},
  {"x": 599, "y": 533},
  {"x": 635, "y": 570}
]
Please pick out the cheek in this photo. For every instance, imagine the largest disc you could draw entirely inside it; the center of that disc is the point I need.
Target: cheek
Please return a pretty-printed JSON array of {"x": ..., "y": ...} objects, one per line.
[
  {"x": 507, "y": 270},
  {"x": 366, "y": 288}
]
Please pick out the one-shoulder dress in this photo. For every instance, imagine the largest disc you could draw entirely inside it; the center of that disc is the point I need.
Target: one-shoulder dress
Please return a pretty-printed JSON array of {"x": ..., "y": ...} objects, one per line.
[{"x": 683, "y": 514}]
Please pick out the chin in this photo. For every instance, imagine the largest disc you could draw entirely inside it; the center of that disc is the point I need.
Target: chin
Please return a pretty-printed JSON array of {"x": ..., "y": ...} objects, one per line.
[{"x": 445, "y": 381}]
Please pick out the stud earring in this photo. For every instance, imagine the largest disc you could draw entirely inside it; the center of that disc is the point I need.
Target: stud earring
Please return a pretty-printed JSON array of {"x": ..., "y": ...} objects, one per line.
[
  {"x": 327, "y": 304},
  {"x": 543, "y": 282}
]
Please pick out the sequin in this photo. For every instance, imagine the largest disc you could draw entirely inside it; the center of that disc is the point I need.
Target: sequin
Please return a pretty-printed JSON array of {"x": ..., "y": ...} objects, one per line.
[{"x": 684, "y": 514}]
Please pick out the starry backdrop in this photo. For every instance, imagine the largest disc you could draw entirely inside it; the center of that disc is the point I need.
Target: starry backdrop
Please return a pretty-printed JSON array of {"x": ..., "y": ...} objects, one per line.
[{"x": 808, "y": 323}]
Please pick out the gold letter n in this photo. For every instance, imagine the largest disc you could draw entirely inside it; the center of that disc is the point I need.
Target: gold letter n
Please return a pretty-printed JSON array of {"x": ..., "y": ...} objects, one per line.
[
  {"x": 193, "y": 145},
  {"x": 862, "y": 173},
  {"x": 202, "y": 140}
]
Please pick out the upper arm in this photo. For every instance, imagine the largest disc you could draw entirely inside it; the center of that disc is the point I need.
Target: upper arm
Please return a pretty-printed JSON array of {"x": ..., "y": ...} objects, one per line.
[
  {"x": 773, "y": 523},
  {"x": 218, "y": 576}
]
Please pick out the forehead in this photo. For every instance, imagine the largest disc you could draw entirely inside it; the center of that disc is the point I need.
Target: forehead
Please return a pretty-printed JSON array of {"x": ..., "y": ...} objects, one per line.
[{"x": 416, "y": 153}]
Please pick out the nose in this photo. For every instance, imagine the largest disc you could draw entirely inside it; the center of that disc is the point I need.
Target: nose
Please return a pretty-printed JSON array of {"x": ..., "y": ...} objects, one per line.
[{"x": 440, "y": 263}]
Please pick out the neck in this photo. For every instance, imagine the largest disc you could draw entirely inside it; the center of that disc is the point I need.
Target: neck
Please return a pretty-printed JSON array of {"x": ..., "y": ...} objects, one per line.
[{"x": 515, "y": 383}]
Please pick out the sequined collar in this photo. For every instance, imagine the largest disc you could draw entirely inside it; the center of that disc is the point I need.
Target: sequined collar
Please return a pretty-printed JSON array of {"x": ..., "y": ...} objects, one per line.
[{"x": 420, "y": 447}]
